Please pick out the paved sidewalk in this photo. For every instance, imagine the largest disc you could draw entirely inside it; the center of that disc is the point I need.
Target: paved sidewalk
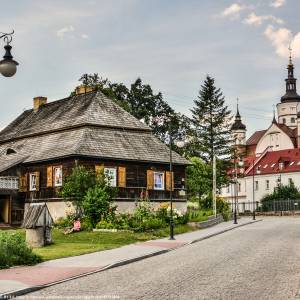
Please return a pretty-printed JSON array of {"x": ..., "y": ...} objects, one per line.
[{"x": 21, "y": 280}]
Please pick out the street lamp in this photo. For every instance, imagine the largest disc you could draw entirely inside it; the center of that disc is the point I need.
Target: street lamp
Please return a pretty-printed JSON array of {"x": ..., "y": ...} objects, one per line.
[
  {"x": 253, "y": 196},
  {"x": 179, "y": 144},
  {"x": 8, "y": 66},
  {"x": 240, "y": 164}
]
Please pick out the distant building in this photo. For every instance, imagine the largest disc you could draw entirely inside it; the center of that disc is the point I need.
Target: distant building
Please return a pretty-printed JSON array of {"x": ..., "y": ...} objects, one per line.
[
  {"x": 39, "y": 149},
  {"x": 271, "y": 155}
]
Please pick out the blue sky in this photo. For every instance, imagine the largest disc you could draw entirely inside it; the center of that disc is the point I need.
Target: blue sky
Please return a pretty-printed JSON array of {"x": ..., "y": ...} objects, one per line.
[{"x": 170, "y": 44}]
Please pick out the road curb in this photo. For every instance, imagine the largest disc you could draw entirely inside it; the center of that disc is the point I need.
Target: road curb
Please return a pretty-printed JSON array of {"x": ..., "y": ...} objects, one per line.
[
  {"x": 24, "y": 291},
  {"x": 223, "y": 231}
]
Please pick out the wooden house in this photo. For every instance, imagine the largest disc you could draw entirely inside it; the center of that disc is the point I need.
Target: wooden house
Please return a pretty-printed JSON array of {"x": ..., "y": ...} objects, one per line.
[{"x": 39, "y": 149}]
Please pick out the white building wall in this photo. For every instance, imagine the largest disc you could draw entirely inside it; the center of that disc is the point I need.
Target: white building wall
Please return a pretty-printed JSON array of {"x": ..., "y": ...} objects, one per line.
[{"x": 245, "y": 197}]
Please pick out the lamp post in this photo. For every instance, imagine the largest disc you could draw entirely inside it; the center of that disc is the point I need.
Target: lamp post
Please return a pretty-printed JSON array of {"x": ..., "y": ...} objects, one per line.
[
  {"x": 253, "y": 198},
  {"x": 179, "y": 144},
  {"x": 240, "y": 164},
  {"x": 8, "y": 66}
]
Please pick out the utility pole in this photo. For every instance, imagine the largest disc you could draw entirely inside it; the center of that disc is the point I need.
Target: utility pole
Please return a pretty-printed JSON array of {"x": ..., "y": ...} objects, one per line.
[{"x": 214, "y": 192}]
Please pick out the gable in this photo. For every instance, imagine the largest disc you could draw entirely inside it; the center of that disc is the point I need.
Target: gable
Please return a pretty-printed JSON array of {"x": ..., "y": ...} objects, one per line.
[{"x": 276, "y": 138}]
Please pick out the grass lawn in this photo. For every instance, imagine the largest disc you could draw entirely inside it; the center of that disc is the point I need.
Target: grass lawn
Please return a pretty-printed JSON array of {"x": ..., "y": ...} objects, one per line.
[{"x": 87, "y": 242}]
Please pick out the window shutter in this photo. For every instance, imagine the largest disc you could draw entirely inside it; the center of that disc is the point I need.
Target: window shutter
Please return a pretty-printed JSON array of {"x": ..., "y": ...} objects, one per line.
[
  {"x": 23, "y": 183},
  {"x": 37, "y": 174},
  {"x": 49, "y": 176},
  {"x": 150, "y": 180},
  {"x": 99, "y": 169},
  {"x": 122, "y": 177},
  {"x": 168, "y": 181}
]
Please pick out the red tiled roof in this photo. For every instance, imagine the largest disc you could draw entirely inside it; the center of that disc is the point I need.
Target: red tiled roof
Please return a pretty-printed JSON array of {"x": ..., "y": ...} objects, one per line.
[
  {"x": 269, "y": 163},
  {"x": 255, "y": 137}
]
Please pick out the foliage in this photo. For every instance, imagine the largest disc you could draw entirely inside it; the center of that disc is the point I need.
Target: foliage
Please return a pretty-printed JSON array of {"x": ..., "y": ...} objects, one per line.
[
  {"x": 198, "y": 178},
  {"x": 278, "y": 199},
  {"x": 77, "y": 185},
  {"x": 93, "y": 197},
  {"x": 283, "y": 192},
  {"x": 204, "y": 208},
  {"x": 144, "y": 218},
  {"x": 14, "y": 251},
  {"x": 210, "y": 134},
  {"x": 97, "y": 203}
]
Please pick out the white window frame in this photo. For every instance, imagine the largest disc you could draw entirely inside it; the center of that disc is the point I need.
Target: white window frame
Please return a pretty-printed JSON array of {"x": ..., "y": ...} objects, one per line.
[
  {"x": 110, "y": 176},
  {"x": 32, "y": 182},
  {"x": 155, "y": 185},
  {"x": 60, "y": 182}
]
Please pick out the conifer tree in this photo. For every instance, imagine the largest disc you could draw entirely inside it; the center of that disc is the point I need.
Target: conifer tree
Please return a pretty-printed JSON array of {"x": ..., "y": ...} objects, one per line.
[{"x": 210, "y": 133}]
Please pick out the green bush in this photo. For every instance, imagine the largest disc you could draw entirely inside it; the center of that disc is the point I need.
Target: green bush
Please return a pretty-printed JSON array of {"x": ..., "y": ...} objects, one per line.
[
  {"x": 14, "y": 251},
  {"x": 62, "y": 223}
]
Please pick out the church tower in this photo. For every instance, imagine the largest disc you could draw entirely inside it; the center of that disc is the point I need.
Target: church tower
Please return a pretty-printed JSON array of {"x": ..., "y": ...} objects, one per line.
[
  {"x": 290, "y": 103},
  {"x": 238, "y": 131}
]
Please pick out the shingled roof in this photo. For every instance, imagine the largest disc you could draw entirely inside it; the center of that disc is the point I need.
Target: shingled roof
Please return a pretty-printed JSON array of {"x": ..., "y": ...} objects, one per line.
[
  {"x": 88, "y": 125},
  {"x": 92, "y": 108}
]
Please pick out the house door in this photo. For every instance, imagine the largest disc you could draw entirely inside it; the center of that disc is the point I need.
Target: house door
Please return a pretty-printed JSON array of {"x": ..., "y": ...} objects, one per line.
[{"x": 4, "y": 209}]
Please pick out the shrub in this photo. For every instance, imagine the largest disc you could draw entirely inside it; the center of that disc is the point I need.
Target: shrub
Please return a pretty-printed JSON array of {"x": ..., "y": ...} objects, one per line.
[
  {"x": 97, "y": 204},
  {"x": 63, "y": 223},
  {"x": 14, "y": 251}
]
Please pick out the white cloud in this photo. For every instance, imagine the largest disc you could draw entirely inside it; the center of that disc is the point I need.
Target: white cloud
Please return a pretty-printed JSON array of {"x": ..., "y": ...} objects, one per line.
[
  {"x": 277, "y": 3},
  {"x": 280, "y": 39},
  {"x": 61, "y": 32},
  {"x": 84, "y": 36},
  {"x": 254, "y": 19},
  {"x": 232, "y": 11}
]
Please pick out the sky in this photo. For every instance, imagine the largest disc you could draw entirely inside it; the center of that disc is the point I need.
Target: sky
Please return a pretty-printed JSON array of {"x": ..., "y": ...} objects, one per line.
[{"x": 171, "y": 44}]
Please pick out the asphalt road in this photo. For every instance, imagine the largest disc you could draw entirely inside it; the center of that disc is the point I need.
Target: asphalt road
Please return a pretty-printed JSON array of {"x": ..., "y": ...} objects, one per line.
[{"x": 258, "y": 261}]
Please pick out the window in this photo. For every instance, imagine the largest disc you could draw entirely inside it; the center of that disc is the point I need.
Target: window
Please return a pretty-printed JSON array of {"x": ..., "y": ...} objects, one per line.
[
  {"x": 240, "y": 187},
  {"x": 283, "y": 109},
  {"x": 159, "y": 183},
  {"x": 281, "y": 165},
  {"x": 293, "y": 108},
  {"x": 111, "y": 176},
  {"x": 267, "y": 184},
  {"x": 32, "y": 181},
  {"x": 57, "y": 176},
  {"x": 283, "y": 121},
  {"x": 292, "y": 120},
  {"x": 10, "y": 151},
  {"x": 256, "y": 185}
]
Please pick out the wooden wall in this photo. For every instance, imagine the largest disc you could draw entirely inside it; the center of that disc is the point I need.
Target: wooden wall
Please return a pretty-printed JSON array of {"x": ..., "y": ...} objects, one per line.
[{"x": 136, "y": 178}]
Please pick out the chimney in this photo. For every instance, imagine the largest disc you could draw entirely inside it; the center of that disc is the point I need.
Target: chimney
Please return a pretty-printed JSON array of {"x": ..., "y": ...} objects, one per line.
[
  {"x": 38, "y": 102},
  {"x": 82, "y": 89}
]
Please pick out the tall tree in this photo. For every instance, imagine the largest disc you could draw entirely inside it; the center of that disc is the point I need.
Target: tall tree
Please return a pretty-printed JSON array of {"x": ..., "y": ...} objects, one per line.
[{"x": 210, "y": 134}]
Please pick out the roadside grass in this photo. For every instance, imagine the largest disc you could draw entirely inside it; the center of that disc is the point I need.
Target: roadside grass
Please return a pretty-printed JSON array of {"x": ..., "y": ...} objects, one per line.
[
  {"x": 87, "y": 241},
  {"x": 199, "y": 215}
]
